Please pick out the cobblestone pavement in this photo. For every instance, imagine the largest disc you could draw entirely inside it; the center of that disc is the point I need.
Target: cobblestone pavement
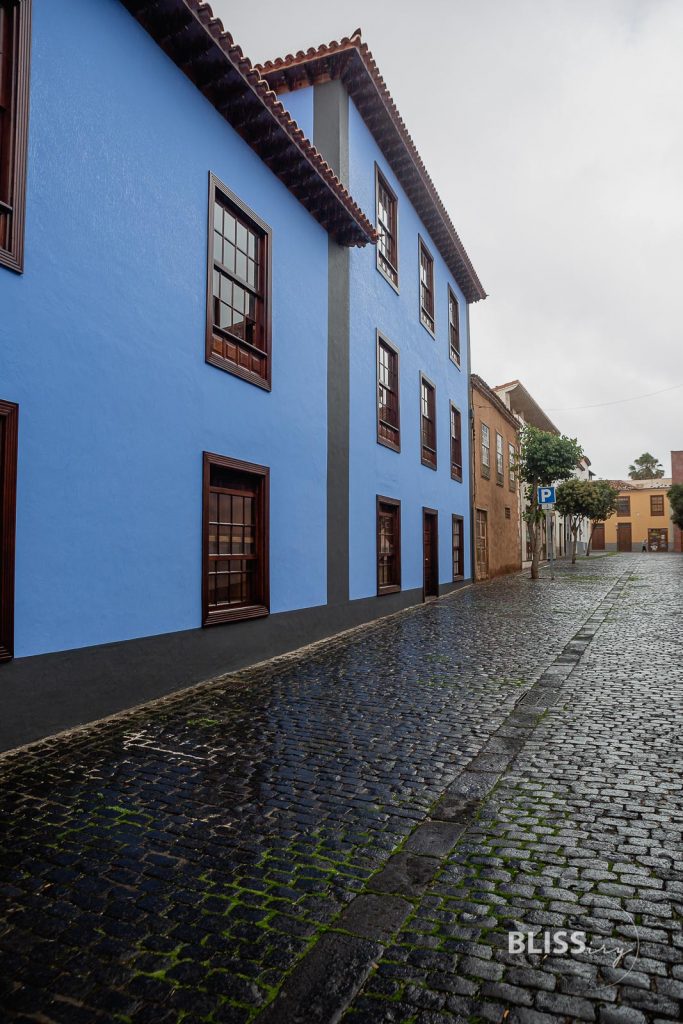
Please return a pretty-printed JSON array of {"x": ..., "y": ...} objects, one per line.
[{"x": 353, "y": 832}]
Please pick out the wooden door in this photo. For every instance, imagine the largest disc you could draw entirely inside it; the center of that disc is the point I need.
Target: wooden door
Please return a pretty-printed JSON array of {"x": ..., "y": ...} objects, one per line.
[
  {"x": 598, "y": 537},
  {"x": 624, "y": 537},
  {"x": 430, "y": 549},
  {"x": 482, "y": 544}
]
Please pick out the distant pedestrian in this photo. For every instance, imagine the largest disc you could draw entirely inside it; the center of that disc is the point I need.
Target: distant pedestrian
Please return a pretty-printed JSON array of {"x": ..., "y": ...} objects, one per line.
[{"x": 644, "y": 545}]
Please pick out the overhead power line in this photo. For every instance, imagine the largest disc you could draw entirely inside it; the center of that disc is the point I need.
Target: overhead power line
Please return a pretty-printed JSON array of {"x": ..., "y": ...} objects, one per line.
[{"x": 617, "y": 401}]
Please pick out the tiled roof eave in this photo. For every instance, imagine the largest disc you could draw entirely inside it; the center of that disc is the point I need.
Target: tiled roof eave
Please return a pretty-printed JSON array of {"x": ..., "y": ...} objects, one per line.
[
  {"x": 351, "y": 61},
  {"x": 196, "y": 41}
]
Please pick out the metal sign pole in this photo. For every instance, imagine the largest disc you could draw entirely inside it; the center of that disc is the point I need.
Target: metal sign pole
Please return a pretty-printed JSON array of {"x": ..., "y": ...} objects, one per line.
[{"x": 550, "y": 523}]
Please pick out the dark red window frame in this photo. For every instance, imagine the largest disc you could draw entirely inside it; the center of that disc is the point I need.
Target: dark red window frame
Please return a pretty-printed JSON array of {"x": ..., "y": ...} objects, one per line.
[
  {"x": 388, "y": 545},
  {"x": 15, "y": 59},
  {"x": 252, "y": 481},
  {"x": 427, "y": 422},
  {"x": 453, "y": 327},
  {"x": 426, "y": 281},
  {"x": 458, "y": 537},
  {"x": 624, "y": 505},
  {"x": 388, "y": 395},
  {"x": 456, "y": 443},
  {"x": 9, "y": 423},
  {"x": 239, "y": 275},
  {"x": 386, "y": 208},
  {"x": 656, "y": 504}
]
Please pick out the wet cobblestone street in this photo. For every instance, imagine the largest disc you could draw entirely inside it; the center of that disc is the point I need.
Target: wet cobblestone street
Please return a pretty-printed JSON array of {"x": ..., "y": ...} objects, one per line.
[{"x": 352, "y": 832}]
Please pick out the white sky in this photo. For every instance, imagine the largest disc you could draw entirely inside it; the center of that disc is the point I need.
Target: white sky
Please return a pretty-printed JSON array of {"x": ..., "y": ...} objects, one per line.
[{"x": 553, "y": 130}]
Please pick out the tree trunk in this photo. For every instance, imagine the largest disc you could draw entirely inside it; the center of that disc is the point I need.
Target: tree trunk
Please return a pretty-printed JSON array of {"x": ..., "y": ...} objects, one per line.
[
  {"x": 590, "y": 541},
  {"x": 575, "y": 534}
]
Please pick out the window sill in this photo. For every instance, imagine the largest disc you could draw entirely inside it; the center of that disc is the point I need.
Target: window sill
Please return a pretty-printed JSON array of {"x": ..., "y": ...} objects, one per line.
[
  {"x": 388, "y": 444},
  {"x": 9, "y": 260},
  {"x": 430, "y": 330},
  {"x": 429, "y": 465},
  {"x": 457, "y": 477},
  {"x": 394, "y": 589},
  {"x": 486, "y": 475},
  {"x": 387, "y": 277},
  {"x": 253, "y": 611},
  {"x": 238, "y": 371},
  {"x": 456, "y": 362}
]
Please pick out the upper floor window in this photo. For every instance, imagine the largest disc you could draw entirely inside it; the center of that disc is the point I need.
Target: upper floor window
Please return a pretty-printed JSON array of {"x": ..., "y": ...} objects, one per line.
[
  {"x": 428, "y": 422},
  {"x": 388, "y": 545},
  {"x": 500, "y": 464},
  {"x": 235, "y": 576},
  {"x": 453, "y": 328},
  {"x": 426, "y": 287},
  {"x": 238, "y": 323},
  {"x": 387, "y": 229},
  {"x": 456, "y": 443},
  {"x": 485, "y": 451},
  {"x": 15, "y": 50},
  {"x": 623, "y": 505},
  {"x": 512, "y": 462},
  {"x": 388, "y": 410},
  {"x": 657, "y": 504}
]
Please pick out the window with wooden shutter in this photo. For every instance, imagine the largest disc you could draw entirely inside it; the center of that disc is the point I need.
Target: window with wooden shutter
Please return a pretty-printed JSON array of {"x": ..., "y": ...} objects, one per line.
[
  {"x": 485, "y": 451},
  {"x": 428, "y": 422},
  {"x": 388, "y": 545},
  {"x": 15, "y": 51},
  {"x": 453, "y": 328},
  {"x": 236, "y": 502},
  {"x": 387, "y": 229},
  {"x": 238, "y": 324},
  {"x": 388, "y": 407},
  {"x": 500, "y": 465},
  {"x": 426, "y": 287},
  {"x": 458, "y": 547},
  {"x": 657, "y": 504},
  {"x": 9, "y": 419},
  {"x": 456, "y": 443}
]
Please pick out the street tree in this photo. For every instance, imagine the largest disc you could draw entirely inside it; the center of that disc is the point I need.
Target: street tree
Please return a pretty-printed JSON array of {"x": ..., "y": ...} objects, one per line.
[
  {"x": 574, "y": 502},
  {"x": 675, "y": 495},
  {"x": 646, "y": 467},
  {"x": 544, "y": 458},
  {"x": 602, "y": 503}
]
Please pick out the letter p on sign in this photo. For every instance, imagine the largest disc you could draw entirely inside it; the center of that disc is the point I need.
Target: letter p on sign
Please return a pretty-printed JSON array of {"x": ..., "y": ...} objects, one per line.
[{"x": 546, "y": 495}]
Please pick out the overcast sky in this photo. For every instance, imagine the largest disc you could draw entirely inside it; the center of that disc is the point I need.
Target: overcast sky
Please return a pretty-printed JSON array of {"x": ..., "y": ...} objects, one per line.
[{"x": 553, "y": 130}]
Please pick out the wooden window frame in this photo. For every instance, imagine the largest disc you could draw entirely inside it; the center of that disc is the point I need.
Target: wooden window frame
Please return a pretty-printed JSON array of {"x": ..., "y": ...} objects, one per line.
[
  {"x": 425, "y": 461},
  {"x": 383, "y": 263},
  {"x": 512, "y": 475},
  {"x": 458, "y": 519},
  {"x": 427, "y": 317},
  {"x": 211, "y": 618},
  {"x": 485, "y": 467},
  {"x": 9, "y": 414},
  {"x": 621, "y": 513},
  {"x": 13, "y": 169},
  {"x": 387, "y": 442},
  {"x": 456, "y": 467},
  {"x": 217, "y": 188},
  {"x": 660, "y": 510},
  {"x": 453, "y": 352},
  {"x": 394, "y": 503},
  {"x": 500, "y": 460}
]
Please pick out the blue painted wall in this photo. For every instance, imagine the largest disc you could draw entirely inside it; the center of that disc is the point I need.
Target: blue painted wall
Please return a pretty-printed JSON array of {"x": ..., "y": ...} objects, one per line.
[
  {"x": 375, "y": 469},
  {"x": 300, "y": 106},
  {"x": 102, "y": 345}
]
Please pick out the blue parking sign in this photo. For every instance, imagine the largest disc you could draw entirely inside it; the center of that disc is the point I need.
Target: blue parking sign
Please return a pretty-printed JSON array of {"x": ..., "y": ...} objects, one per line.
[{"x": 546, "y": 495}]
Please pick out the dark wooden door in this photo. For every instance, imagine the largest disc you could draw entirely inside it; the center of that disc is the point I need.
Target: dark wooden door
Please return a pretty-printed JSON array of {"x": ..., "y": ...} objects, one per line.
[
  {"x": 482, "y": 544},
  {"x": 430, "y": 549},
  {"x": 623, "y": 537},
  {"x": 598, "y": 537}
]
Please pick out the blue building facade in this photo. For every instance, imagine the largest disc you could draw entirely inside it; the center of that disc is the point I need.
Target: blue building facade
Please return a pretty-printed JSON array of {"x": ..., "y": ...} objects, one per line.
[{"x": 188, "y": 385}]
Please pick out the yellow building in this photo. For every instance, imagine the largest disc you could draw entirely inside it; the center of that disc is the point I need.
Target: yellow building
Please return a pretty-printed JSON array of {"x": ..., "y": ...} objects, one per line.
[{"x": 643, "y": 517}]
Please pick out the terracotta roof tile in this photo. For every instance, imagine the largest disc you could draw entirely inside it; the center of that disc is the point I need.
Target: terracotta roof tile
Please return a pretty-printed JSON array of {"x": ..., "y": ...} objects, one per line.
[
  {"x": 220, "y": 70},
  {"x": 350, "y": 60}
]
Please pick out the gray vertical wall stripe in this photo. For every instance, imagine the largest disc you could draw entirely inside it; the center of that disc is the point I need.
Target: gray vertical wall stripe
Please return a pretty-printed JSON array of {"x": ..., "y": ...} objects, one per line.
[{"x": 331, "y": 138}]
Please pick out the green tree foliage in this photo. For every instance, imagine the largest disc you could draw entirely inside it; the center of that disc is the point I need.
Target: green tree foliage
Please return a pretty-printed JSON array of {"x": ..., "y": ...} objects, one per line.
[
  {"x": 544, "y": 458},
  {"x": 602, "y": 504},
  {"x": 646, "y": 467},
  {"x": 675, "y": 495},
  {"x": 574, "y": 503}
]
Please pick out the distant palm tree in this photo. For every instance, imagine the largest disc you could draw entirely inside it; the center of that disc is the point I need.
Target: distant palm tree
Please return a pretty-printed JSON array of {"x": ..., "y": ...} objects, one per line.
[{"x": 646, "y": 467}]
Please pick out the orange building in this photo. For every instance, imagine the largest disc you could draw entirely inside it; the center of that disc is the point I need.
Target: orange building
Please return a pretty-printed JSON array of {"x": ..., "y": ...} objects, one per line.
[
  {"x": 643, "y": 517},
  {"x": 495, "y": 489}
]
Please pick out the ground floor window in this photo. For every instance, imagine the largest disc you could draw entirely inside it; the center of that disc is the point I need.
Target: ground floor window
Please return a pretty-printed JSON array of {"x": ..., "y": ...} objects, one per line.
[
  {"x": 658, "y": 540},
  {"x": 458, "y": 548},
  {"x": 9, "y": 418},
  {"x": 388, "y": 545},
  {"x": 236, "y": 509}
]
